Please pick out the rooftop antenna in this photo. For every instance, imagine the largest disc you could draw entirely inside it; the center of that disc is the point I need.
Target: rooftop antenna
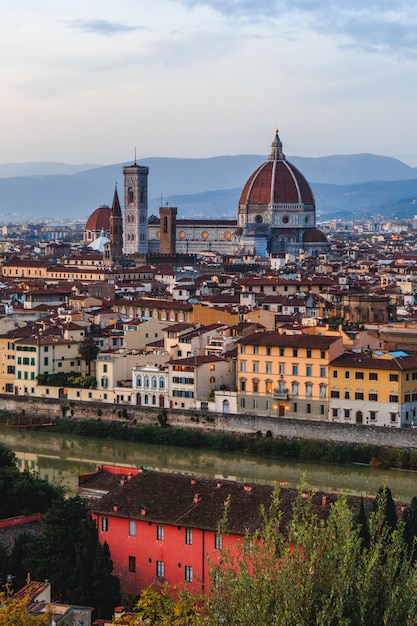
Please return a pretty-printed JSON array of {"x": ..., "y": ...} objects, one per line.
[{"x": 135, "y": 155}]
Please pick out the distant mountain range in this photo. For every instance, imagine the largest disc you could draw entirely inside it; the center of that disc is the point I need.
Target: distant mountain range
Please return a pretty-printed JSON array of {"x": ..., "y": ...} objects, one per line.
[{"x": 345, "y": 186}]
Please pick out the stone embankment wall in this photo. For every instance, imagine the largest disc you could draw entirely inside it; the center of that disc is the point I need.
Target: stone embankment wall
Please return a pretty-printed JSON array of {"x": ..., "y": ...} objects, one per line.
[{"x": 216, "y": 422}]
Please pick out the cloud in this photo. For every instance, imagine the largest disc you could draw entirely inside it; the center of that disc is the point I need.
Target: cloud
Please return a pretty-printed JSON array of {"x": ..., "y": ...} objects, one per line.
[
  {"x": 377, "y": 26},
  {"x": 102, "y": 27}
]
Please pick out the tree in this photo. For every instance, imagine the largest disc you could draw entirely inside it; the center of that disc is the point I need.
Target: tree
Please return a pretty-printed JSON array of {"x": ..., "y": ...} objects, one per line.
[
  {"x": 88, "y": 350},
  {"x": 315, "y": 572},
  {"x": 13, "y": 612},
  {"x": 409, "y": 531},
  {"x": 69, "y": 554}
]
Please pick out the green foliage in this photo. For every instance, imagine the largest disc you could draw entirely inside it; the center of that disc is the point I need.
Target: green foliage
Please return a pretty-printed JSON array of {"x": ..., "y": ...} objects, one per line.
[
  {"x": 306, "y": 449},
  {"x": 68, "y": 379},
  {"x": 163, "y": 418},
  {"x": 70, "y": 555},
  {"x": 7, "y": 457},
  {"x": 88, "y": 350},
  {"x": 317, "y": 572},
  {"x": 22, "y": 493}
]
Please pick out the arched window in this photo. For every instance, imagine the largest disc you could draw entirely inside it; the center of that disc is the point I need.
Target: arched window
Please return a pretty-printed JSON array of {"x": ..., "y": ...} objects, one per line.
[
  {"x": 154, "y": 382},
  {"x": 146, "y": 381},
  {"x": 130, "y": 195},
  {"x": 309, "y": 390},
  {"x": 154, "y": 400},
  {"x": 243, "y": 384},
  {"x": 138, "y": 381},
  {"x": 255, "y": 385},
  {"x": 146, "y": 398},
  {"x": 165, "y": 224},
  {"x": 294, "y": 389},
  {"x": 161, "y": 383},
  {"x": 322, "y": 391}
]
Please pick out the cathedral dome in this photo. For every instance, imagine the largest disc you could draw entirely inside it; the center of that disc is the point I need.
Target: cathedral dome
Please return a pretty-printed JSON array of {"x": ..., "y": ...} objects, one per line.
[
  {"x": 99, "y": 220},
  {"x": 314, "y": 235},
  {"x": 276, "y": 181}
]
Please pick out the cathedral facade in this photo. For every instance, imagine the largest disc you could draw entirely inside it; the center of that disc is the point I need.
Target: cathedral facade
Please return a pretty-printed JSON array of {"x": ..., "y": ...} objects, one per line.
[{"x": 276, "y": 214}]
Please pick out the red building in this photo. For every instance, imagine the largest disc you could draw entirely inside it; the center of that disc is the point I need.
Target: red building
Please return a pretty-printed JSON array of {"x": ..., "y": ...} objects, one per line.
[{"x": 162, "y": 527}]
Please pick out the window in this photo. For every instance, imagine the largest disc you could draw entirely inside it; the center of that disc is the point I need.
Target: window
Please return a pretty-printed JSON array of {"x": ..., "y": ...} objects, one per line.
[
  {"x": 308, "y": 354},
  {"x": 358, "y": 395},
  {"x": 335, "y": 393},
  {"x": 188, "y": 536},
  {"x": 243, "y": 366},
  {"x": 309, "y": 370},
  {"x": 255, "y": 368},
  {"x": 10, "y": 369},
  {"x": 347, "y": 374},
  {"x": 268, "y": 367},
  {"x": 188, "y": 574},
  {"x": 359, "y": 375},
  {"x": 294, "y": 389},
  {"x": 335, "y": 374},
  {"x": 268, "y": 351},
  {"x": 373, "y": 376},
  {"x": 242, "y": 384},
  {"x": 104, "y": 524},
  {"x": 347, "y": 394},
  {"x": 281, "y": 369},
  {"x": 160, "y": 569},
  {"x": 346, "y": 413},
  {"x": 322, "y": 391},
  {"x": 255, "y": 385},
  {"x": 393, "y": 377},
  {"x": 309, "y": 390},
  {"x": 294, "y": 407},
  {"x": 105, "y": 368},
  {"x": 372, "y": 416},
  {"x": 322, "y": 354},
  {"x": 160, "y": 533},
  {"x": 335, "y": 412},
  {"x": 295, "y": 351},
  {"x": 393, "y": 417},
  {"x": 132, "y": 564},
  {"x": 322, "y": 372},
  {"x": 321, "y": 409},
  {"x": 242, "y": 403},
  {"x": 255, "y": 350},
  {"x": 308, "y": 408},
  {"x": 242, "y": 349},
  {"x": 255, "y": 403},
  {"x": 132, "y": 528},
  {"x": 407, "y": 396},
  {"x": 295, "y": 369},
  {"x": 373, "y": 396},
  {"x": 393, "y": 397},
  {"x": 281, "y": 351},
  {"x": 45, "y": 360},
  {"x": 217, "y": 541}
]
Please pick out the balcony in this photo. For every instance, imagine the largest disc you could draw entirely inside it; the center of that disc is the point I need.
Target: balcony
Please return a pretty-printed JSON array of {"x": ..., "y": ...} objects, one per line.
[{"x": 280, "y": 394}]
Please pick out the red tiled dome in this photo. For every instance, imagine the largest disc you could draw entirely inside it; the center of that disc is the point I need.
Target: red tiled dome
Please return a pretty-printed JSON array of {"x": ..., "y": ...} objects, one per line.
[
  {"x": 99, "y": 219},
  {"x": 276, "y": 181},
  {"x": 314, "y": 235}
]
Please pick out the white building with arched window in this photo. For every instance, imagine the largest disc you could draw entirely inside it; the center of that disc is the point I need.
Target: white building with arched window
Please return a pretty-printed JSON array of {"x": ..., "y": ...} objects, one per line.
[{"x": 150, "y": 386}]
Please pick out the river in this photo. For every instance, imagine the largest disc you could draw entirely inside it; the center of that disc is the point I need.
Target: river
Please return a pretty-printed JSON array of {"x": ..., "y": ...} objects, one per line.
[{"x": 60, "y": 458}]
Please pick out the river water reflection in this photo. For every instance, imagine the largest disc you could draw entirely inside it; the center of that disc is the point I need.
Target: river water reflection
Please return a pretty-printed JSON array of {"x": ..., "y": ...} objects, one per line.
[{"x": 60, "y": 458}]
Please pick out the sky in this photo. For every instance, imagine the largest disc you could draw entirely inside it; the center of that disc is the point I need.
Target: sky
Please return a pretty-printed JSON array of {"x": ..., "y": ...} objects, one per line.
[{"x": 91, "y": 81}]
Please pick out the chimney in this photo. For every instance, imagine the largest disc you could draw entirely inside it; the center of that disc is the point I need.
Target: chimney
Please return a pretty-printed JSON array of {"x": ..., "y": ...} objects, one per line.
[
  {"x": 197, "y": 498},
  {"x": 115, "y": 508},
  {"x": 143, "y": 511}
]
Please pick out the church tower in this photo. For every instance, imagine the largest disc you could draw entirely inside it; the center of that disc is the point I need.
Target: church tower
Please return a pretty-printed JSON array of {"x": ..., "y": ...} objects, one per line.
[
  {"x": 116, "y": 228},
  {"x": 135, "y": 178},
  {"x": 167, "y": 230}
]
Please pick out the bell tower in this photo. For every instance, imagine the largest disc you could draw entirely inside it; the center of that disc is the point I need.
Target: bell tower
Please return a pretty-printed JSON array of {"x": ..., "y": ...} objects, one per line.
[
  {"x": 135, "y": 180},
  {"x": 167, "y": 230}
]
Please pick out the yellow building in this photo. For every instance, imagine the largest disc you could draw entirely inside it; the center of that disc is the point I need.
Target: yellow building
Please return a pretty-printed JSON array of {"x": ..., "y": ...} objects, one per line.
[
  {"x": 376, "y": 388},
  {"x": 285, "y": 375},
  {"x": 40, "y": 354}
]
